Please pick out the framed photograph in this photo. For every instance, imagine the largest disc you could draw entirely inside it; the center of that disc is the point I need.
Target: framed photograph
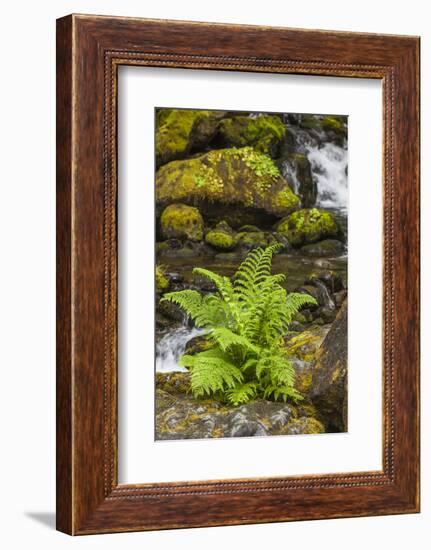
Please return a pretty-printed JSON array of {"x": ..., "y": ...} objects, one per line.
[{"x": 237, "y": 274}]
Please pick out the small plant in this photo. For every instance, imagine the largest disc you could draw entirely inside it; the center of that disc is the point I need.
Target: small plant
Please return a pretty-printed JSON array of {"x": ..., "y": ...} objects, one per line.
[{"x": 246, "y": 321}]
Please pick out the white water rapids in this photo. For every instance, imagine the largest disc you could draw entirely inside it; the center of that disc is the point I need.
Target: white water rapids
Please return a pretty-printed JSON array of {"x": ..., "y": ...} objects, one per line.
[
  {"x": 329, "y": 170},
  {"x": 171, "y": 347}
]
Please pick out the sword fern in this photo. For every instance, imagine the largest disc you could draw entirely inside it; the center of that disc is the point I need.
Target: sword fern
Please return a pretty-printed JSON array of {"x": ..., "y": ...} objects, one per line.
[{"x": 246, "y": 321}]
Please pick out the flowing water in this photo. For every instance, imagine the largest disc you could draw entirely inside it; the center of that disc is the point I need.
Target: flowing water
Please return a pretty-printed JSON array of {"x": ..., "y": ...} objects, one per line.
[{"x": 171, "y": 347}]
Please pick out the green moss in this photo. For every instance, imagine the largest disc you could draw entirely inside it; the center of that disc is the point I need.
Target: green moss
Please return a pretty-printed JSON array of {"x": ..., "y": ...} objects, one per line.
[
  {"x": 162, "y": 282},
  {"x": 173, "y": 382},
  {"x": 313, "y": 426},
  {"x": 227, "y": 176},
  {"x": 220, "y": 239},
  {"x": 286, "y": 200},
  {"x": 178, "y": 130},
  {"x": 254, "y": 239},
  {"x": 308, "y": 226},
  {"x": 264, "y": 132},
  {"x": 334, "y": 123},
  {"x": 182, "y": 221}
]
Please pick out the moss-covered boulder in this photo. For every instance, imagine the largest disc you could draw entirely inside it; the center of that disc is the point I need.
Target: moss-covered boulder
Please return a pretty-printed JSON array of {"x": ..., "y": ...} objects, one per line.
[
  {"x": 309, "y": 226},
  {"x": 333, "y": 123},
  {"x": 179, "y": 221},
  {"x": 240, "y": 185},
  {"x": 162, "y": 282},
  {"x": 325, "y": 248},
  {"x": 221, "y": 237},
  {"x": 265, "y": 133},
  {"x": 181, "y": 131},
  {"x": 247, "y": 240}
]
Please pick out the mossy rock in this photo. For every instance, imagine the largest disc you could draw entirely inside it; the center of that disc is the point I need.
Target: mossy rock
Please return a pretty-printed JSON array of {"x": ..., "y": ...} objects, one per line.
[
  {"x": 264, "y": 133},
  {"x": 162, "y": 282},
  {"x": 303, "y": 425},
  {"x": 173, "y": 382},
  {"x": 179, "y": 131},
  {"x": 180, "y": 221},
  {"x": 198, "y": 344},
  {"x": 221, "y": 240},
  {"x": 221, "y": 237},
  {"x": 230, "y": 183},
  {"x": 309, "y": 226},
  {"x": 325, "y": 248},
  {"x": 254, "y": 239},
  {"x": 335, "y": 124}
]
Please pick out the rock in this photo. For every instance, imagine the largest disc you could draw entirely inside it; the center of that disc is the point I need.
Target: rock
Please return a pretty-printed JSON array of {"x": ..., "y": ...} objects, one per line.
[
  {"x": 236, "y": 185},
  {"x": 309, "y": 226},
  {"x": 307, "y": 190},
  {"x": 162, "y": 282},
  {"x": 180, "y": 416},
  {"x": 331, "y": 279},
  {"x": 336, "y": 124},
  {"x": 246, "y": 241},
  {"x": 198, "y": 344},
  {"x": 248, "y": 229},
  {"x": 180, "y": 131},
  {"x": 329, "y": 392},
  {"x": 303, "y": 425},
  {"x": 182, "y": 222},
  {"x": 340, "y": 297},
  {"x": 221, "y": 237},
  {"x": 264, "y": 133},
  {"x": 327, "y": 247}
]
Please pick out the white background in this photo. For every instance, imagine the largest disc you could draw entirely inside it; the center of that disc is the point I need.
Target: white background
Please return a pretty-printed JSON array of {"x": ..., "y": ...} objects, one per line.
[
  {"x": 27, "y": 276},
  {"x": 141, "y": 458}
]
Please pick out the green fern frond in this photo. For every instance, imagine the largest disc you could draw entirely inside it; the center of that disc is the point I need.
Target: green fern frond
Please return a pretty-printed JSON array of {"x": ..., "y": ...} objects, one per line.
[
  {"x": 189, "y": 300},
  {"x": 282, "y": 392},
  {"x": 242, "y": 393},
  {"x": 226, "y": 339},
  {"x": 211, "y": 372}
]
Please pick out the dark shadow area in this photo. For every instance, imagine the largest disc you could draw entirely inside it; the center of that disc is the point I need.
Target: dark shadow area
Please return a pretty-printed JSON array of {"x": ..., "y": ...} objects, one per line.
[{"x": 45, "y": 518}]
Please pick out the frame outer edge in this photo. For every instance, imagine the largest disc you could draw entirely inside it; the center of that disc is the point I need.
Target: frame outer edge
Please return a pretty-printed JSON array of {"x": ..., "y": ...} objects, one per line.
[{"x": 64, "y": 367}]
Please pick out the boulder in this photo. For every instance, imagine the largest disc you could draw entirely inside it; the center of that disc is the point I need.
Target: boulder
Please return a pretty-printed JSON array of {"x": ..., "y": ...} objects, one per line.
[
  {"x": 309, "y": 226},
  {"x": 162, "y": 282},
  {"x": 179, "y": 221},
  {"x": 181, "y": 131},
  {"x": 325, "y": 248},
  {"x": 221, "y": 237},
  {"x": 238, "y": 185},
  {"x": 180, "y": 416},
  {"x": 329, "y": 385},
  {"x": 264, "y": 133}
]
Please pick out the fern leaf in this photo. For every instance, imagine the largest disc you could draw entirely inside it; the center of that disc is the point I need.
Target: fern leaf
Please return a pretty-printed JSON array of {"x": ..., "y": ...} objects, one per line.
[
  {"x": 211, "y": 371},
  {"x": 241, "y": 394}
]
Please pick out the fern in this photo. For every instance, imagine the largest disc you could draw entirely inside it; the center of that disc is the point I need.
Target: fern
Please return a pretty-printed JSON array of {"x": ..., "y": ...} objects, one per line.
[{"x": 246, "y": 320}]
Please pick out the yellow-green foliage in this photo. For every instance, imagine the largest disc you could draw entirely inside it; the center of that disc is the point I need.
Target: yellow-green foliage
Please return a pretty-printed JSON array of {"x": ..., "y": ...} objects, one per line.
[
  {"x": 309, "y": 226},
  {"x": 220, "y": 239},
  {"x": 264, "y": 132},
  {"x": 181, "y": 222},
  {"x": 175, "y": 129},
  {"x": 334, "y": 124},
  {"x": 229, "y": 176},
  {"x": 246, "y": 320},
  {"x": 162, "y": 282}
]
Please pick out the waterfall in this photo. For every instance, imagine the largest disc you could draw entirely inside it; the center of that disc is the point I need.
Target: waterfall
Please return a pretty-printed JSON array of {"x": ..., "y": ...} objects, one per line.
[
  {"x": 171, "y": 347},
  {"x": 329, "y": 169}
]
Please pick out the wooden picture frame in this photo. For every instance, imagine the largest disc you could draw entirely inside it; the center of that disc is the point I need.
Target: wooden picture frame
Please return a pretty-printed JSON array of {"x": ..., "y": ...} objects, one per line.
[{"x": 89, "y": 51}]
